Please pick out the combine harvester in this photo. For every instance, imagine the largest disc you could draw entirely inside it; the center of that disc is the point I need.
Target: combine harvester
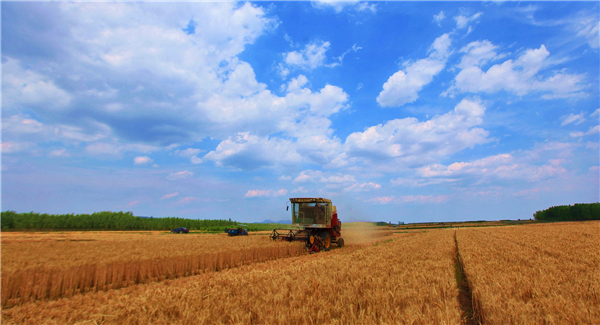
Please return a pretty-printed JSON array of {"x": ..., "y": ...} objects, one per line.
[{"x": 316, "y": 223}]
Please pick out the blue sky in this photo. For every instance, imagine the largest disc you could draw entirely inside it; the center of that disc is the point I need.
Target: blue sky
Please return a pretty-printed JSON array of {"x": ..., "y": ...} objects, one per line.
[{"x": 397, "y": 111}]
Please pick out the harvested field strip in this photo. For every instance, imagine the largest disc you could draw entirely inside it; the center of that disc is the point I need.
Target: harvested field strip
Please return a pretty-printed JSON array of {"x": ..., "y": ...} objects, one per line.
[
  {"x": 509, "y": 269},
  {"x": 409, "y": 280},
  {"x": 51, "y": 283}
]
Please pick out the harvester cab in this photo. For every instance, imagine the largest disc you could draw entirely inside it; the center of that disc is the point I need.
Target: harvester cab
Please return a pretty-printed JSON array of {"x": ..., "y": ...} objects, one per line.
[{"x": 316, "y": 223}]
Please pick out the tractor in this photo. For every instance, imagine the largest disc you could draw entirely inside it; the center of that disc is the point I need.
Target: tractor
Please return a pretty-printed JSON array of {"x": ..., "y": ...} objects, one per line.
[
  {"x": 316, "y": 222},
  {"x": 237, "y": 231}
]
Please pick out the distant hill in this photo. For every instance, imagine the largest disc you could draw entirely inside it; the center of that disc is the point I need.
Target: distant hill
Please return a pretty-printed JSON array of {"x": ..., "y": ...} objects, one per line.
[{"x": 287, "y": 222}]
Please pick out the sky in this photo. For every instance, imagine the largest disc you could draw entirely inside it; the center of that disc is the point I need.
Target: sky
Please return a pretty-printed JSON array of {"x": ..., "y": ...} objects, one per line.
[{"x": 396, "y": 111}]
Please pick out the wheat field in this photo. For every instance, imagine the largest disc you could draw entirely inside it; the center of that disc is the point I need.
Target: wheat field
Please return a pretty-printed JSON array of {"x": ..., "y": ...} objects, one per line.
[
  {"x": 406, "y": 278},
  {"x": 54, "y": 265},
  {"x": 526, "y": 274},
  {"x": 541, "y": 274}
]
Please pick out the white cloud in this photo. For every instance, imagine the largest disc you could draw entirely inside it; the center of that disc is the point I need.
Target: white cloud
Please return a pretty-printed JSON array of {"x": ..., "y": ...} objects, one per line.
[
  {"x": 518, "y": 76},
  {"x": 592, "y": 130},
  {"x": 572, "y": 118},
  {"x": 404, "y": 86},
  {"x": 266, "y": 193},
  {"x": 340, "y": 58},
  {"x": 419, "y": 142},
  {"x": 190, "y": 153},
  {"x": 301, "y": 115},
  {"x": 180, "y": 175},
  {"x": 188, "y": 200},
  {"x": 103, "y": 150},
  {"x": 439, "y": 17},
  {"x": 142, "y": 160},
  {"x": 409, "y": 199},
  {"x": 12, "y": 147},
  {"x": 477, "y": 54},
  {"x": 248, "y": 152},
  {"x": 595, "y": 113},
  {"x": 312, "y": 176},
  {"x": 498, "y": 167},
  {"x": 420, "y": 182},
  {"x": 463, "y": 21},
  {"x": 168, "y": 196},
  {"x": 59, "y": 153},
  {"x": 365, "y": 6},
  {"x": 311, "y": 57},
  {"x": 300, "y": 190},
  {"x": 339, "y": 5},
  {"x": 25, "y": 87},
  {"x": 285, "y": 178},
  {"x": 364, "y": 187},
  {"x": 117, "y": 70}
]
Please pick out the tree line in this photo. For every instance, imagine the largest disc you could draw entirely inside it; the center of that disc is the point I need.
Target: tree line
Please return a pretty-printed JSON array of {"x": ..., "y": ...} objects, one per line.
[
  {"x": 107, "y": 220},
  {"x": 580, "y": 211}
]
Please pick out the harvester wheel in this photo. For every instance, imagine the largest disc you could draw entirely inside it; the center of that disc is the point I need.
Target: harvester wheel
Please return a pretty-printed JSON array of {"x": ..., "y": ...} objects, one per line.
[
  {"x": 326, "y": 241},
  {"x": 340, "y": 242}
]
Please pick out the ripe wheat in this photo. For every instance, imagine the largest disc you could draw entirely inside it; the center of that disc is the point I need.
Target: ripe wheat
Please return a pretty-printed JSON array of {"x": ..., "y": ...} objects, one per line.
[
  {"x": 544, "y": 273},
  {"x": 409, "y": 279}
]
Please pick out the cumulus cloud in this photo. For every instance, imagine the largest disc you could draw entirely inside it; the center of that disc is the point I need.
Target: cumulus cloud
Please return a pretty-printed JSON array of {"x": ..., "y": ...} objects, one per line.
[
  {"x": 248, "y": 152},
  {"x": 518, "y": 77},
  {"x": 142, "y": 160},
  {"x": 115, "y": 69},
  {"x": 595, "y": 113},
  {"x": 404, "y": 86},
  {"x": 309, "y": 58},
  {"x": 180, "y": 175},
  {"x": 418, "y": 142},
  {"x": 266, "y": 193},
  {"x": 306, "y": 127}
]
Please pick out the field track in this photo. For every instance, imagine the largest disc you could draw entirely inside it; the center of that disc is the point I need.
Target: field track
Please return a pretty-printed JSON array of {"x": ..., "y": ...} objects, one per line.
[{"x": 545, "y": 273}]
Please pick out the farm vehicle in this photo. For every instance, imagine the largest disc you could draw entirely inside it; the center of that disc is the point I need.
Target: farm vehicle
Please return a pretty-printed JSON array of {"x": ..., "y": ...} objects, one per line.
[
  {"x": 316, "y": 223},
  {"x": 236, "y": 231}
]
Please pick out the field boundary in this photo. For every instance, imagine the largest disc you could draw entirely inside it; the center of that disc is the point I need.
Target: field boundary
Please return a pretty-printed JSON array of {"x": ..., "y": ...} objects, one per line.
[{"x": 465, "y": 295}]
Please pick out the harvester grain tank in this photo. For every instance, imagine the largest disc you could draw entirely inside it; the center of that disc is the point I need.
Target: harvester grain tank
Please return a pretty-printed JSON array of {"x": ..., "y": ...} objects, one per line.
[{"x": 316, "y": 222}]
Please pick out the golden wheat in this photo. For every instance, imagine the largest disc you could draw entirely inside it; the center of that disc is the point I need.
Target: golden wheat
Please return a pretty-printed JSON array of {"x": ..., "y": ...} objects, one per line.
[
  {"x": 545, "y": 273},
  {"x": 44, "y": 267},
  {"x": 406, "y": 280}
]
